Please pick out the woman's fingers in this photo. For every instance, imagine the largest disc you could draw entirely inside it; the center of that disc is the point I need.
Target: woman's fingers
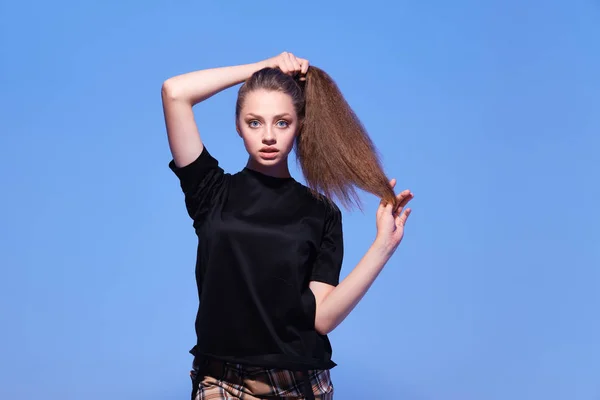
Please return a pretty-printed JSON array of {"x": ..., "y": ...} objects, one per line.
[
  {"x": 296, "y": 63},
  {"x": 303, "y": 66},
  {"x": 401, "y": 219},
  {"x": 286, "y": 65},
  {"x": 404, "y": 197},
  {"x": 399, "y": 213},
  {"x": 289, "y": 64},
  {"x": 292, "y": 64},
  {"x": 402, "y": 200},
  {"x": 283, "y": 62}
]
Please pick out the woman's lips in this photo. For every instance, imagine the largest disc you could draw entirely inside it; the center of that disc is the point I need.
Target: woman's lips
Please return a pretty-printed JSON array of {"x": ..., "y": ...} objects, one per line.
[{"x": 268, "y": 153}]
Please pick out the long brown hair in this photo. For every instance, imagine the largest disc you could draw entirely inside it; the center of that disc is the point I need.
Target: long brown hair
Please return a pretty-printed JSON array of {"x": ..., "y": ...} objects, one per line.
[{"x": 333, "y": 149}]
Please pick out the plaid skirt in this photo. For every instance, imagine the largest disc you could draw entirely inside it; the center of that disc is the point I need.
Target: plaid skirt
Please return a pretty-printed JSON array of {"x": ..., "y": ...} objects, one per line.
[{"x": 215, "y": 380}]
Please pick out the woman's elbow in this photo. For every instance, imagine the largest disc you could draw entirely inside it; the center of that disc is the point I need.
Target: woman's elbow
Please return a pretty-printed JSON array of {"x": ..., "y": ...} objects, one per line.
[
  {"x": 322, "y": 326},
  {"x": 169, "y": 91}
]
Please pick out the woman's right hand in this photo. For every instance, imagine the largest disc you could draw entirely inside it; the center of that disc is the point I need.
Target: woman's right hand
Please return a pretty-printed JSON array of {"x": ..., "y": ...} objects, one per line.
[{"x": 289, "y": 64}]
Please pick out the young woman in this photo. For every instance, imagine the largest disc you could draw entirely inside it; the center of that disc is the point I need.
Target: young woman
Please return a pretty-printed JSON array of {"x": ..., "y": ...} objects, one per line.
[{"x": 270, "y": 249}]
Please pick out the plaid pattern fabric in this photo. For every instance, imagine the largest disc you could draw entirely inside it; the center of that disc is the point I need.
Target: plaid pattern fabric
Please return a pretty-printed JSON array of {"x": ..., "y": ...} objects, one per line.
[{"x": 220, "y": 380}]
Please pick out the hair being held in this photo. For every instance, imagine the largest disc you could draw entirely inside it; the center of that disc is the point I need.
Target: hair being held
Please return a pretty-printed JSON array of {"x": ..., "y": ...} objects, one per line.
[{"x": 334, "y": 150}]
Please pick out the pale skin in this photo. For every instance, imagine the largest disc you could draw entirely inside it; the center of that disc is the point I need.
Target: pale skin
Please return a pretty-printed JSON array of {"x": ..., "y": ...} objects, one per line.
[{"x": 268, "y": 125}]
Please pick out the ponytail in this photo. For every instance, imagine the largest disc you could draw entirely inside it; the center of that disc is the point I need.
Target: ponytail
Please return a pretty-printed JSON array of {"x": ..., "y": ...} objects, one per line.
[{"x": 334, "y": 150}]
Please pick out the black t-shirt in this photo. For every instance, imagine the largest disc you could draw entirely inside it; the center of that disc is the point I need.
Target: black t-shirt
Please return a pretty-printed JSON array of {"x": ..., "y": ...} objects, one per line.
[{"x": 261, "y": 240}]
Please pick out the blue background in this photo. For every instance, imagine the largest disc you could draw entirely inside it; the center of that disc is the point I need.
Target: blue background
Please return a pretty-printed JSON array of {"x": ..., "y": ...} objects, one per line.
[{"x": 488, "y": 111}]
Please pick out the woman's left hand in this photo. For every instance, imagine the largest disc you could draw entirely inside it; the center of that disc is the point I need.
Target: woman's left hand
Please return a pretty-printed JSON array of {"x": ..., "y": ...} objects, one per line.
[{"x": 390, "y": 222}]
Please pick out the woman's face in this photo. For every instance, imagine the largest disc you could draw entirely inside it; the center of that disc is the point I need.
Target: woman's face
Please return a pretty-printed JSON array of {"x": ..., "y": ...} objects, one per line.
[{"x": 268, "y": 124}]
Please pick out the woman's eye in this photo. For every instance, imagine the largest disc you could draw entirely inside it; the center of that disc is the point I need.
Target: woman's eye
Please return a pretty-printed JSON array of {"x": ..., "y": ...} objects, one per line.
[
  {"x": 282, "y": 124},
  {"x": 253, "y": 124}
]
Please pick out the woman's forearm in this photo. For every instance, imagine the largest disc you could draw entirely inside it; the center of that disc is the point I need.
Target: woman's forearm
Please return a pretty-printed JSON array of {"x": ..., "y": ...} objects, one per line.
[
  {"x": 345, "y": 296},
  {"x": 194, "y": 87}
]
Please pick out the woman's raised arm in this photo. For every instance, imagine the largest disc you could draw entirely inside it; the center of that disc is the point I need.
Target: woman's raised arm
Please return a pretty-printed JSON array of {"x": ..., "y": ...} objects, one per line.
[{"x": 182, "y": 92}]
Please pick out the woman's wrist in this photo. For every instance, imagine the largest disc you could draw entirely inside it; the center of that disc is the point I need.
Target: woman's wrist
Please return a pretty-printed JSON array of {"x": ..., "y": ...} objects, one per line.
[
  {"x": 262, "y": 64},
  {"x": 383, "y": 247}
]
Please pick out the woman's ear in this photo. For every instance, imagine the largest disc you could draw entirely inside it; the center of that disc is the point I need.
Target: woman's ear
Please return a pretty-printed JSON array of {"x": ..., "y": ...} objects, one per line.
[{"x": 237, "y": 128}]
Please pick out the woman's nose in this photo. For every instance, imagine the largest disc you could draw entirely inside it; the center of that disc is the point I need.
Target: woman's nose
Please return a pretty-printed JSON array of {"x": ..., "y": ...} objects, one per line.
[{"x": 268, "y": 136}]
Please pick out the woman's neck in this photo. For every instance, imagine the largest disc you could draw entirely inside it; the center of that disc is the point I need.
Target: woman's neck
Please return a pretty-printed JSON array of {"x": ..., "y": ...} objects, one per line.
[{"x": 279, "y": 170}]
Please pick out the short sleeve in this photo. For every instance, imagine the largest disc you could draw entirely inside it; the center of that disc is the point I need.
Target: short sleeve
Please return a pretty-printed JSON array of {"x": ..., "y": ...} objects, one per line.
[
  {"x": 201, "y": 182},
  {"x": 328, "y": 263}
]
